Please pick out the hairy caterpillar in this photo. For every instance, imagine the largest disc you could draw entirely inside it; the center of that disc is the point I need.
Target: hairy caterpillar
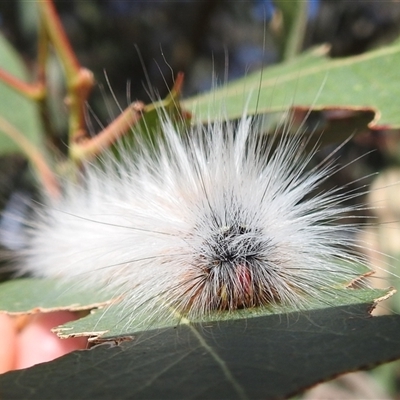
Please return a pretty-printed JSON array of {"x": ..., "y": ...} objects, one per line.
[{"x": 217, "y": 218}]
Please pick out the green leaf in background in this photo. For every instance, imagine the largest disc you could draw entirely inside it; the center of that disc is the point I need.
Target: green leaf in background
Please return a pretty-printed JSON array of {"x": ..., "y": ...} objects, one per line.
[
  {"x": 268, "y": 357},
  {"x": 364, "y": 83},
  {"x": 14, "y": 107}
]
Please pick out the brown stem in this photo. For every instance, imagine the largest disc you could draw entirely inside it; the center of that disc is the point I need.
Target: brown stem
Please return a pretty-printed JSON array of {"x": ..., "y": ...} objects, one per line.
[
  {"x": 79, "y": 88},
  {"x": 86, "y": 148},
  {"x": 34, "y": 91},
  {"x": 57, "y": 36},
  {"x": 45, "y": 174},
  {"x": 80, "y": 80}
]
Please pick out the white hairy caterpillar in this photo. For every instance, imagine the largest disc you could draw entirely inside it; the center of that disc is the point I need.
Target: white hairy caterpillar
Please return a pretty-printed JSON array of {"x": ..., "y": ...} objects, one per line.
[{"x": 218, "y": 218}]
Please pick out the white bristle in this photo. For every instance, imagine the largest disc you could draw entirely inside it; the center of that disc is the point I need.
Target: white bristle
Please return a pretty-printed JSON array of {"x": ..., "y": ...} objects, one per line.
[{"x": 218, "y": 218}]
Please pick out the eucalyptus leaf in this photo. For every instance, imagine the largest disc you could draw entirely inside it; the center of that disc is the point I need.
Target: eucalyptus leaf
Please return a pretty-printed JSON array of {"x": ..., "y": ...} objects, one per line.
[
  {"x": 363, "y": 83},
  {"x": 19, "y": 111},
  {"x": 24, "y": 296},
  {"x": 30, "y": 295},
  {"x": 271, "y": 357},
  {"x": 116, "y": 321}
]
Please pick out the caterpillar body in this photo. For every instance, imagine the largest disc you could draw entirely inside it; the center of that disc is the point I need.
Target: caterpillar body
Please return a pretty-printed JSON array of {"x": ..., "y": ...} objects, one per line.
[{"x": 217, "y": 218}]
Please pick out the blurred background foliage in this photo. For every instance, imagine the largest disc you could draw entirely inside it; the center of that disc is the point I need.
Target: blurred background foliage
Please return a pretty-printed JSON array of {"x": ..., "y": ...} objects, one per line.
[
  {"x": 128, "y": 40},
  {"x": 135, "y": 48}
]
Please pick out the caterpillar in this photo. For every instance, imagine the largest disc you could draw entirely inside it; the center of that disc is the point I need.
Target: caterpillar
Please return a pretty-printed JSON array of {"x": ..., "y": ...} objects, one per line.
[{"x": 217, "y": 217}]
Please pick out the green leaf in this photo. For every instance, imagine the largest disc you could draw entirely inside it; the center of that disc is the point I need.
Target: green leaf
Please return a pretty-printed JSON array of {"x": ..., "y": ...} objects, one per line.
[
  {"x": 25, "y": 296},
  {"x": 263, "y": 352},
  {"x": 270, "y": 357},
  {"x": 19, "y": 111},
  {"x": 114, "y": 320},
  {"x": 366, "y": 83}
]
